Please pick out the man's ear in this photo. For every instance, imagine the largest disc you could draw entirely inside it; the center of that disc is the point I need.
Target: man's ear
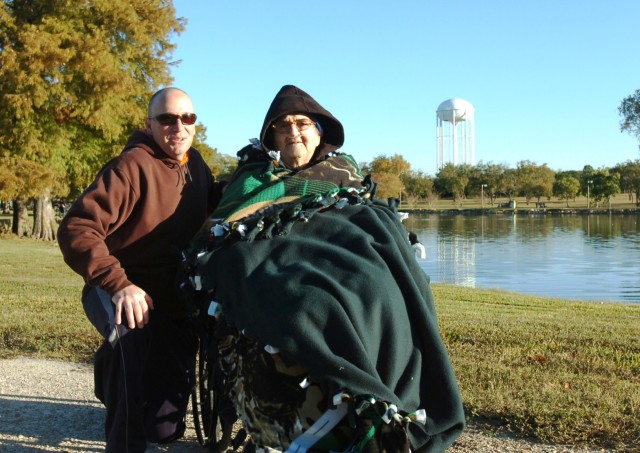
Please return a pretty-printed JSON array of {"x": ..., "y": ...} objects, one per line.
[{"x": 147, "y": 129}]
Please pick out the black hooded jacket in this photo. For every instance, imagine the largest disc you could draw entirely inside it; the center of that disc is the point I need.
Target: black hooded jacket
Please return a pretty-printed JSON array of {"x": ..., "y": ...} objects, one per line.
[{"x": 292, "y": 100}]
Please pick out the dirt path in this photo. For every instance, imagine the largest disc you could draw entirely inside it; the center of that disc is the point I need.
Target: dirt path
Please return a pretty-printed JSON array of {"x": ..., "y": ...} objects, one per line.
[{"x": 48, "y": 405}]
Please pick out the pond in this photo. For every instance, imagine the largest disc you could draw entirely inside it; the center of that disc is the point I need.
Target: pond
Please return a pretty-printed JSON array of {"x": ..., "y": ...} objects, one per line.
[{"x": 571, "y": 256}]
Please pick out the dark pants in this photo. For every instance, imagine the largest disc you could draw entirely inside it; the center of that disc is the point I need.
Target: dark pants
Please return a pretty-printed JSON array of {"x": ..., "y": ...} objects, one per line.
[{"x": 143, "y": 376}]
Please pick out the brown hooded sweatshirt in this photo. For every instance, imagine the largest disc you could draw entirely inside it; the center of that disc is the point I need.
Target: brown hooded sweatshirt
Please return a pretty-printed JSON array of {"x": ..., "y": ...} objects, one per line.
[{"x": 131, "y": 223}]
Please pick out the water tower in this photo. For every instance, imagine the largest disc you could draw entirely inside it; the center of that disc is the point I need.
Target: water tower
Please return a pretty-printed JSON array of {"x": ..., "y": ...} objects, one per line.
[{"x": 455, "y": 129}]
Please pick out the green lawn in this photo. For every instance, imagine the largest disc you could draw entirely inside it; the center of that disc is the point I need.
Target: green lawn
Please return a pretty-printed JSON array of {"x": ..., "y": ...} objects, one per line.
[{"x": 563, "y": 371}]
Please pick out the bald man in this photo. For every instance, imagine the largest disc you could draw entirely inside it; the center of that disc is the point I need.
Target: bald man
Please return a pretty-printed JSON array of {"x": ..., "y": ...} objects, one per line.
[{"x": 124, "y": 235}]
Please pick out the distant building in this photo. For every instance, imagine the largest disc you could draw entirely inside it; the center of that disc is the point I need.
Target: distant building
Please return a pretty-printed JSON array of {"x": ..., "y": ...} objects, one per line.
[{"x": 454, "y": 132}]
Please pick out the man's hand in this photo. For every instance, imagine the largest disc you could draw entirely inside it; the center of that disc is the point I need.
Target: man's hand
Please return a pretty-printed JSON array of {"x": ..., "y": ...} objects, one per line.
[{"x": 136, "y": 305}]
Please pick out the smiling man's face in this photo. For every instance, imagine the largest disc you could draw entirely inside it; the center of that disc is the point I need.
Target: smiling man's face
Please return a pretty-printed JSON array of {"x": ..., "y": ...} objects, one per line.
[{"x": 177, "y": 138}]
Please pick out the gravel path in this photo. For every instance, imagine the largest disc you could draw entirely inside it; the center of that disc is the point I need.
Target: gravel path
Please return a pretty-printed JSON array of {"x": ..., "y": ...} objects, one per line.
[{"x": 48, "y": 405}]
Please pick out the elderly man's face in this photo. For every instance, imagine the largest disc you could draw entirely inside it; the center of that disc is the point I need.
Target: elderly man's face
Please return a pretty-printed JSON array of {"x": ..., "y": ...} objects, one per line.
[{"x": 296, "y": 137}]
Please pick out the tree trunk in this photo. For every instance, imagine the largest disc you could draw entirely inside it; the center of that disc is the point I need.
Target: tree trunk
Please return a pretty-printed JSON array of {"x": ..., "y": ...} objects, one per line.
[
  {"x": 20, "y": 225},
  {"x": 44, "y": 219}
]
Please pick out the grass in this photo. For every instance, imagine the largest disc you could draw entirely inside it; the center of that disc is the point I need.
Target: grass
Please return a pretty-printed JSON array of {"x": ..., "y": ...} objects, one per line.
[
  {"x": 566, "y": 372},
  {"x": 40, "y": 298},
  {"x": 561, "y": 371}
]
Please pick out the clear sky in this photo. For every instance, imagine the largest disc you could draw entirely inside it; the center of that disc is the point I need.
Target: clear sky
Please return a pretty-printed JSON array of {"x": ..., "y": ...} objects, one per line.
[{"x": 545, "y": 77}]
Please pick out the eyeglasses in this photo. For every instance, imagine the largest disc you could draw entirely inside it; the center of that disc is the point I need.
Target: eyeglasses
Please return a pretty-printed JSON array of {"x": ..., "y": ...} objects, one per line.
[
  {"x": 169, "y": 119},
  {"x": 284, "y": 126}
]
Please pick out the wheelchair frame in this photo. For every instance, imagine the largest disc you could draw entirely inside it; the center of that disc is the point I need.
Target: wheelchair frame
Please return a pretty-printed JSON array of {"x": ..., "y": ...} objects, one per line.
[{"x": 211, "y": 430}]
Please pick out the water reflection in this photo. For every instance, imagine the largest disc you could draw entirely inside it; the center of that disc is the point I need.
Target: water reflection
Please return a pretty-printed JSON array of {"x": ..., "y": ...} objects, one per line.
[{"x": 570, "y": 256}]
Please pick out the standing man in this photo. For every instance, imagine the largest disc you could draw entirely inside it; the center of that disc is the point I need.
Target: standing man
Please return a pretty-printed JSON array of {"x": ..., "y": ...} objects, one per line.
[{"x": 124, "y": 236}]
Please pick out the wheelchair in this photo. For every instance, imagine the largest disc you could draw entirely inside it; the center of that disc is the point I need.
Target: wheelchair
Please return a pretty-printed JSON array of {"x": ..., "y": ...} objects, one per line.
[{"x": 214, "y": 417}]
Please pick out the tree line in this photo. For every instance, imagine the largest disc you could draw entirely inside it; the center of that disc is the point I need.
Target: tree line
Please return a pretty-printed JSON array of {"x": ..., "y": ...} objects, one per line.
[
  {"x": 395, "y": 178},
  {"x": 75, "y": 79}
]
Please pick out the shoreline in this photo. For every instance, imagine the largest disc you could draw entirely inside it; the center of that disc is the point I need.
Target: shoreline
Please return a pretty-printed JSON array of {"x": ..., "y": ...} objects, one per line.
[{"x": 521, "y": 210}]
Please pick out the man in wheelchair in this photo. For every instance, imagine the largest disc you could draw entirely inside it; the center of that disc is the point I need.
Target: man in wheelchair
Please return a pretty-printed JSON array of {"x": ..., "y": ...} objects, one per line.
[{"x": 332, "y": 340}]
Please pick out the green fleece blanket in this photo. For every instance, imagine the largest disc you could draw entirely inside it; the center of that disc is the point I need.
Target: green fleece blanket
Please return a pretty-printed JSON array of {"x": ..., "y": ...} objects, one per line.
[
  {"x": 344, "y": 296},
  {"x": 332, "y": 281}
]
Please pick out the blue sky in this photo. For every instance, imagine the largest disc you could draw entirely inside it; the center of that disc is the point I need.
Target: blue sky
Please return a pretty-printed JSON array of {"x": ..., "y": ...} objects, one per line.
[{"x": 545, "y": 77}]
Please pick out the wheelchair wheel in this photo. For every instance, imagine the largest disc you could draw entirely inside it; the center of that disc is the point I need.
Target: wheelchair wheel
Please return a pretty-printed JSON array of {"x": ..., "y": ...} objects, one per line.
[
  {"x": 215, "y": 420},
  {"x": 204, "y": 403}
]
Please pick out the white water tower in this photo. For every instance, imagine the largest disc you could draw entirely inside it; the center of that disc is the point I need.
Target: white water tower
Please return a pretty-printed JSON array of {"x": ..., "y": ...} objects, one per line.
[{"x": 455, "y": 128}]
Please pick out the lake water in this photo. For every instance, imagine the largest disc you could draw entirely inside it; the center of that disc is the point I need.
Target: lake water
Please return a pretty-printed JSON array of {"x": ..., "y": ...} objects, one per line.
[{"x": 595, "y": 257}]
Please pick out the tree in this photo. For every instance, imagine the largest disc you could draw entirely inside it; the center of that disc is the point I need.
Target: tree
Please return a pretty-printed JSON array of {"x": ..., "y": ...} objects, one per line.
[
  {"x": 605, "y": 185},
  {"x": 75, "y": 78},
  {"x": 586, "y": 179},
  {"x": 395, "y": 165},
  {"x": 566, "y": 187},
  {"x": 222, "y": 165},
  {"x": 452, "y": 180},
  {"x": 629, "y": 178},
  {"x": 629, "y": 109},
  {"x": 386, "y": 172},
  {"x": 28, "y": 179},
  {"x": 494, "y": 176},
  {"x": 509, "y": 183},
  {"x": 535, "y": 180},
  {"x": 388, "y": 185},
  {"x": 418, "y": 185}
]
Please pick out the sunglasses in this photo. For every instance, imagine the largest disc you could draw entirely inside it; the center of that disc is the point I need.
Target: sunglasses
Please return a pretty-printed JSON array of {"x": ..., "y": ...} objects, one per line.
[{"x": 169, "y": 119}]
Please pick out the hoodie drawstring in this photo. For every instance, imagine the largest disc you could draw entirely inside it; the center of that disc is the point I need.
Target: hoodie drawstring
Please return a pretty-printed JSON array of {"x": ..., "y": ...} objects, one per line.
[{"x": 185, "y": 163}]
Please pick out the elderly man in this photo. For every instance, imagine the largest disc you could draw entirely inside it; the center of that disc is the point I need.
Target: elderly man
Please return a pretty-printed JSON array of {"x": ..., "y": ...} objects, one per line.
[
  {"x": 333, "y": 341},
  {"x": 123, "y": 236}
]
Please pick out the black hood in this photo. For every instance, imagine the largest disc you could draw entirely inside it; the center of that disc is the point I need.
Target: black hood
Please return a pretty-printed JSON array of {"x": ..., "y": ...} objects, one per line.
[{"x": 292, "y": 100}]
